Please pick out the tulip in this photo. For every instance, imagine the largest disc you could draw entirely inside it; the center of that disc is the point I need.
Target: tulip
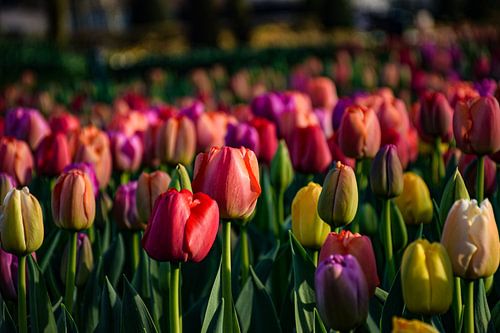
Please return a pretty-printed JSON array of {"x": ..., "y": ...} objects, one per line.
[
  {"x": 386, "y": 174},
  {"x": 150, "y": 144},
  {"x": 268, "y": 139},
  {"x": 53, "y": 154},
  {"x": 149, "y": 187},
  {"x": 89, "y": 170},
  {"x": 470, "y": 236},
  {"x": 337, "y": 153},
  {"x": 180, "y": 179},
  {"x": 400, "y": 325},
  {"x": 359, "y": 132},
  {"x": 426, "y": 278},
  {"x": 69, "y": 125},
  {"x": 339, "y": 110},
  {"x": 269, "y": 106},
  {"x": 307, "y": 226},
  {"x": 322, "y": 92},
  {"x": 176, "y": 141},
  {"x": 84, "y": 263},
  {"x": 454, "y": 190},
  {"x": 94, "y": 148},
  {"x": 8, "y": 275},
  {"x": 243, "y": 135},
  {"x": 125, "y": 208},
  {"x": 309, "y": 150},
  {"x": 338, "y": 202},
  {"x": 476, "y": 125},
  {"x": 359, "y": 247},
  {"x": 16, "y": 159},
  {"x": 73, "y": 201},
  {"x": 27, "y": 125},
  {"x": 436, "y": 116},
  {"x": 415, "y": 202},
  {"x": 341, "y": 292},
  {"x": 231, "y": 177},
  {"x": 7, "y": 182},
  {"x": 486, "y": 87},
  {"x": 127, "y": 151},
  {"x": 468, "y": 165}
]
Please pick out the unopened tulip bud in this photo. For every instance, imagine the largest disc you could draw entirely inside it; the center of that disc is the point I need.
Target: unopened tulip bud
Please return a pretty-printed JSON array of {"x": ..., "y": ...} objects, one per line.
[
  {"x": 386, "y": 174},
  {"x": 415, "y": 202},
  {"x": 16, "y": 159},
  {"x": 454, "y": 190},
  {"x": 281, "y": 168},
  {"x": 125, "y": 208},
  {"x": 84, "y": 260},
  {"x": 149, "y": 187},
  {"x": 180, "y": 179}
]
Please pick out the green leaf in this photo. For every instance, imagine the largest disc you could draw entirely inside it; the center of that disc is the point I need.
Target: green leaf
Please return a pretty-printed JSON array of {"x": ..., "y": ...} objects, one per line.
[
  {"x": 91, "y": 295},
  {"x": 142, "y": 281},
  {"x": 65, "y": 322},
  {"x": 495, "y": 317},
  {"x": 318, "y": 323},
  {"x": 114, "y": 260},
  {"x": 214, "y": 306},
  {"x": 255, "y": 307},
  {"x": 110, "y": 311},
  {"x": 303, "y": 286},
  {"x": 52, "y": 241},
  {"x": 40, "y": 308},
  {"x": 381, "y": 294},
  {"x": 135, "y": 316},
  {"x": 482, "y": 314},
  {"x": 393, "y": 306},
  {"x": 436, "y": 220},
  {"x": 265, "y": 216},
  {"x": 264, "y": 266},
  {"x": 7, "y": 324},
  {"x": 399, "y": 232}
]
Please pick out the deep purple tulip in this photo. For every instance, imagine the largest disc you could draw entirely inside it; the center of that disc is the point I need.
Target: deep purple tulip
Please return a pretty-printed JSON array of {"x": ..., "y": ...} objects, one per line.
[
  {"x": 89, "y": 170},
  {"x": 338, "y": 111},
  {"x": 243, "y": 135},
  {"x": 127, "y": 151},
  {"x": 194, "y": 110},
  {"x": 341, "y": 292},
  {"x": 268, "y": 105},
  {"x": 125, "y": 208},
  {"x": 27, "y": 125},
  {"x": 486, "y": 87}
]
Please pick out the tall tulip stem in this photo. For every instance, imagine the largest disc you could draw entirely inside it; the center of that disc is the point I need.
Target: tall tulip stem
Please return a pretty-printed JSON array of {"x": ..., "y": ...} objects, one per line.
[
  {"x": 386, "y": 218},
  {"x": 245, "y": 257},
  {"x": 71, "y": 272},
  {"x": 21, "y": 295},
  {"x": 315, "y": 256},
  {"x": 226, "y": 277},
  {"x": 136, "y": 245},
  {"x": 174, "y": 311},
  {"x": 437, "y": 163},
  {"x": 480, "y": 179},
  {"x": 469, "y": 307},
  {"x": 457, "y": 303}
]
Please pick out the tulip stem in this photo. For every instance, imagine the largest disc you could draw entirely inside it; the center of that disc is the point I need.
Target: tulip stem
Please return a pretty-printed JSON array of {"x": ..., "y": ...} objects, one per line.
[
  {"x": 457, "y": 303},
  {"x": 226, "y": 276},
  {"x": 21, "y": 295},
  {"x": 480, "y": 179},
  {"x": 245, "y": 258},
  {"x": 469, "y": 307},
  {"x": 280, "y": 212},
  {"x": 437, "y": 163},
  {"x": 136, "y": 245},
  {"x": 71, "y": 272},
  {"x": 315, "y": 256},
  {"x": 174, "y": 312},
  {"x": 386, "y": 218}
]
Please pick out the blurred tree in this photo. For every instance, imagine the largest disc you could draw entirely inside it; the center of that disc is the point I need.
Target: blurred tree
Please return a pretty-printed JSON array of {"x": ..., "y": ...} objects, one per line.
[{"x": 203, "y": 21}]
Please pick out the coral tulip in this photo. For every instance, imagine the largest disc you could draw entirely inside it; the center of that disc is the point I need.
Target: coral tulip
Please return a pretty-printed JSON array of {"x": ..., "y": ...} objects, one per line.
[{"x": 149, "y": 187}]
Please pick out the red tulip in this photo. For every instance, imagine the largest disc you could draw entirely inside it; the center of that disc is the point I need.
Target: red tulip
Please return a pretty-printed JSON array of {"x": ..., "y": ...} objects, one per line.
[
  {"x": 322, "y": 92},
  {"x": 468, "y": 168},
  {"x": 359, "y": 132},
  {"x": 231, "y": 177},
  {"x": 182, "y": 227},
  {"x": 337, "y": 154},
  {"x": 53, "y": 154},
  {"x": 356, "y": 245},
  {"x": 16, "y": 159},
  {"x": 436, "y": 116},
  {"x": 268, "y": 139},
  {"x": 308, "y": 150},
  {"x": 69, "y": 125}
]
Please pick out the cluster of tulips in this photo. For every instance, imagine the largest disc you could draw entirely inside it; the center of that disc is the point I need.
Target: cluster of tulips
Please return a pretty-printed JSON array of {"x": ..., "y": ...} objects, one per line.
[{"x": 298, "y": 211}]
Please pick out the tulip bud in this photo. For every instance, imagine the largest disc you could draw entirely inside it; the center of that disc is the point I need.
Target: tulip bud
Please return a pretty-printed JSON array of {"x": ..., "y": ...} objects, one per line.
[
  {"x": 269, "y": 106},
  {"x": 400, "y": 325},
  {"x": 415, "y": 202},
  {"x": 476, "y": 125},
  {"x": 7, "y": 182},
  {"x": 89, "y": 170},
  {"x": 309, "y": 150},
  {"x": 27, "y": 125},
  {"x": 16, "y": 159},
  {"x": 53, "y": 154},
  {"x": 242, "y": 135},
  {"x": 426, "y": 278},
  {"x": 470, "y": 236},
  {"x": 149, "y": 187},
  {"x": 127, "y": 151},
  {"x": 125, "y": 208},
  {"x": 436, "y": 116},
  {"x": 268, "y": 139},
  {"x": 359, "y": 247},
  {"x": 182, "y": 227},
  {"x": 281, "y": 168},
  {"x": 231, "y": 177},
  {"x": 21, "y": 222},
  {"x": 454, "y": 190},
  {"x": 386, "y": 174},
  {"x": 322, "y": 92},
  {"x": 341, "y": 292},
  {"x": 307, "y": 226},
  {"x": 176, "y": 141},
  {"x": 73, "y": 201},
  {"x": 338, "y": 201},
  {"x": 84, "y": 260},
  {"x": 180, "y": 179},
  {"x": 468, "y": 167}
]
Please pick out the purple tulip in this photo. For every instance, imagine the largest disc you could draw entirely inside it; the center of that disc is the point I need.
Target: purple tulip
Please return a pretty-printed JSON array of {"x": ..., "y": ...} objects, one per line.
[
  {"x": 84, "y": 260},
  {"x": 27, "y": 125},
  {"x": 242, "y": 135},
  {"x": 127, "y": 151},
  {"x": 269, "y": 106},
  {"x": 8, "y": 275},
  {"x": 125, "y": 208},
  {"x": 341, "y": 292},
  {"x": 486, "y": 87},
  {"x": 194, "y": 111},
  {"x": 338, "y": 111},
  {"x": 89, "y": 170}
]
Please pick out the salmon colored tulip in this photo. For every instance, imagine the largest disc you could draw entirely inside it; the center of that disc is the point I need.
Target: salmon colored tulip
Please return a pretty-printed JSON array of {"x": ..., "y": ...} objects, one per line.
[
  {"x": 401, "y": 325},
  {"x": 176, "y": 141},
  {"x": 149, "y": 187},
  {"x": 53, "y": 154},
  {"x": 231, "y": 177},
  {"x": 16, "y": 159},
  {"x": 322, "y": 92},
  {"x": 69, "y": 125}
]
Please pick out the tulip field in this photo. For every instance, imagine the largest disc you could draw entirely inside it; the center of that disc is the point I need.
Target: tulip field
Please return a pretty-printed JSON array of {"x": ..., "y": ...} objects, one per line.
[{"x": 352, "y": 191}]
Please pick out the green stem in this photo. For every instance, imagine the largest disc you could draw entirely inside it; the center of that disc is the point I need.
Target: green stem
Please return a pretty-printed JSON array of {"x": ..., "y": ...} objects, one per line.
[
  {"x": 480, "y": 179},
  {"x": 245, "y": 258},
  {"x": 386, "y": 218},
  {"x": 280, "y": 211},
  {"x": 457, "y": 303},
  {"x": 71, "y": 272},
  {"x": 136, "y": 246},
  {"x": 21, "y": 295},
  {"x": 226, "y": 277},
  {"x": 315, "y": 257},
  {"x": 174, "y": 298},
  {"x": 124, "y": 178},
  {"x": 437, "y": 163},
  {"x": 469, "y": 307}
]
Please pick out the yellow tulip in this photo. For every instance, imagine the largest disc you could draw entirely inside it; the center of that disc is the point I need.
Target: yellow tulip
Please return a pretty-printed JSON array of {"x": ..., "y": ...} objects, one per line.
[
  {"x": 307, "y": 226},
  {"x": 426, "y": 278},
  {"x": 415, "y": 202},
  {"x": 400, "y": 325}
]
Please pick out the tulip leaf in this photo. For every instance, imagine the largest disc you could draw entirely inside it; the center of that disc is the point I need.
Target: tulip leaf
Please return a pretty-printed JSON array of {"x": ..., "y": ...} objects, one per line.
[
  {"x": 214, "y": 306},
  {"x": 135, "y": 316},
  {"x": 482, "y": 314},
  {"x": 52, "y": 241},
  {"x": 65, "y": 322},
  {"x": 393, "y": 306},
  {"x": 142, "y": 280},
  {"x": 318, "y": 323},
  {"x": 7, "y": 324},
  {"x": 159, "y": 273},
  {"x": 40, "y": 308},
  {"x": 265, "y": 216},
  {"x": 399, "y": 232},
  {"x": 495, "y": 317},
  {"x": 436, "y": 220},
  {"x": 255, "y": 307},
  {"x": 114, "y": 260},
  {"x": 110, "y": 311},
  {"x": 381, "y": 294},
  {"x": 304, "y": 298}
]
